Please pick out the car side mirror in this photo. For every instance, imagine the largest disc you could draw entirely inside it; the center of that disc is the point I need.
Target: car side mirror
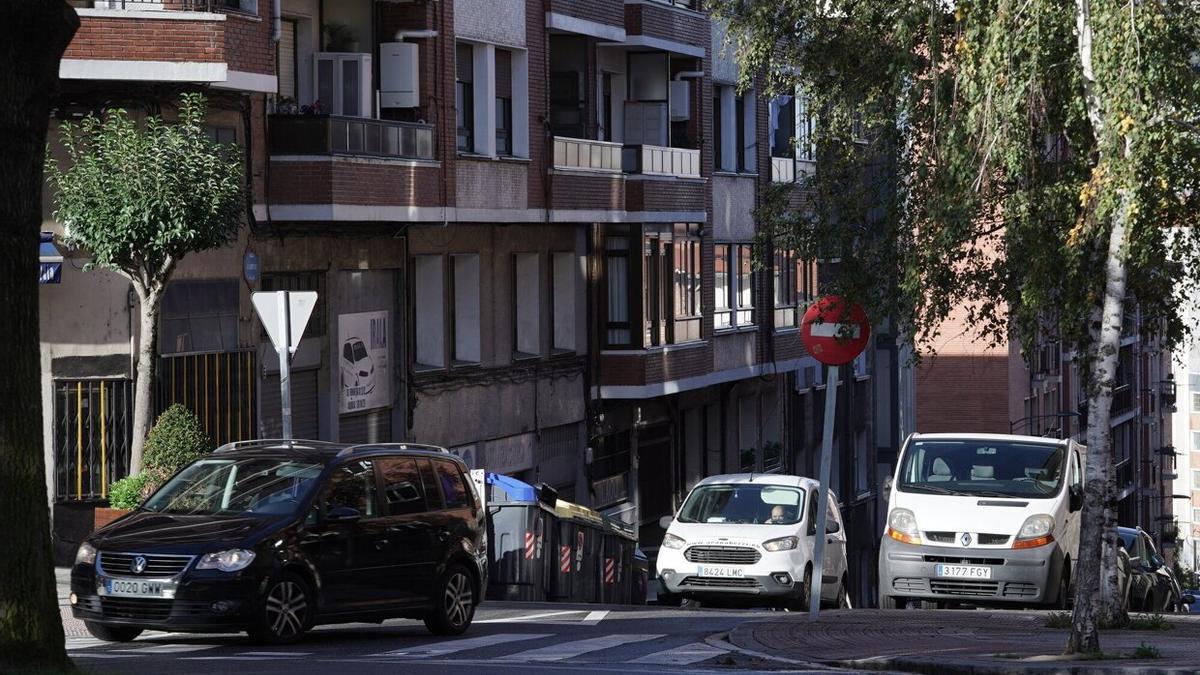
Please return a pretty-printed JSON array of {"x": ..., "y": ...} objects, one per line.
[
  {"x": 343, "y": 514},
  {"x": 1076, "y": 498},
  {"x": 665, "y": 521},
  {"x": 832, "y": 527}
]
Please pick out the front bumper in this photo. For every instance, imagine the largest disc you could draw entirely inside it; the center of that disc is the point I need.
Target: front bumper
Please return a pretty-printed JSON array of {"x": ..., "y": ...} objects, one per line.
[
  {"x": 775, "y": 577},
  {"x": 202, "y": 603},
  {"x": 1018, "y": 576}
]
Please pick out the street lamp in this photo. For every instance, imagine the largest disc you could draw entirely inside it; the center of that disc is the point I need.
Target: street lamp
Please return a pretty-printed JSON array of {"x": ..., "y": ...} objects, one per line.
[{"x": 1070, "y": 413}]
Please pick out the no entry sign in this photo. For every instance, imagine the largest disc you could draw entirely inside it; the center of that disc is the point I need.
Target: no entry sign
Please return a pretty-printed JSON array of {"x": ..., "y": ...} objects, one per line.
[{"x": 833, "y": 336}]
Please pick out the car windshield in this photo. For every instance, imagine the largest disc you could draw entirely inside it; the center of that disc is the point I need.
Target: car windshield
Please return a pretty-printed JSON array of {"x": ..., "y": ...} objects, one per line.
[
  {"x": 984, "y": 468},
  {"x": 360, "y": 351},
  {"x": 237, "y": 487},
  {"x": 743, "y": 504}
]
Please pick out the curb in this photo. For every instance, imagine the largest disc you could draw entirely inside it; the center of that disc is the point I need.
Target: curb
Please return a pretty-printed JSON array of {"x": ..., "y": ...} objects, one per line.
[
  {"x": 964, "y": 667},
  {"x": 746, "y": 644}
]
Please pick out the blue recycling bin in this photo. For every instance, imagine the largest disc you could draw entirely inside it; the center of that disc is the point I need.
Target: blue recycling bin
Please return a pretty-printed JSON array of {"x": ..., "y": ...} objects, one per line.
[{"x": 520, "y": 537}]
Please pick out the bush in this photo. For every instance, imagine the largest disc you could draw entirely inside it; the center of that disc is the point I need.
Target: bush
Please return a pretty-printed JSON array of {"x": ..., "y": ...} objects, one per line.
[
  {"x": 1145, "y": 651},
  {"x": 1058, "y": 620},
  {"x": 176, "y": 440},
  {"x": 128, "y": 492}
]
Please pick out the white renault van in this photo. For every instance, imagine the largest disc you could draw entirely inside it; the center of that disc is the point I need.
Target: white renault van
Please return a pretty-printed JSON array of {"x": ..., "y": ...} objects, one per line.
[
  {"x": 985, "y": 519},
  {"x": 749, "y": 539}
]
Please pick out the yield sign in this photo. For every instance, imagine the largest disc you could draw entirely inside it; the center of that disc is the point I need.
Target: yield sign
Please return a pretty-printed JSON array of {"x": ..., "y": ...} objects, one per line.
[{"x": 284, "y": 314}]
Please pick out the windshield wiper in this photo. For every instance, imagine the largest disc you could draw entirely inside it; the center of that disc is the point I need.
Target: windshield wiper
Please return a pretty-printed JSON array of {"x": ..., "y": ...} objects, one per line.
[
  {"x": 990, "y": 493},
  {"x": 935, "y": 489}
]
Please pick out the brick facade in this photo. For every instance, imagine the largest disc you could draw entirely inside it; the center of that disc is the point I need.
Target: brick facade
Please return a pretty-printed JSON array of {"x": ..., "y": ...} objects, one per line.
[
  {"x": 248, "y": 45},
  {"x": 668, "y": 23},
  {"x": 142, "y": 39},
  {"x": 578, "y": 190},
  {"x": 608, "y": 12},
  {"x": 348, "y": 181}
]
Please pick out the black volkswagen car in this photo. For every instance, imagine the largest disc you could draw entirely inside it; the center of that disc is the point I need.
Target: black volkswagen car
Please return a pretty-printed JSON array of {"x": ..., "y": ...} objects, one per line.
[{"x": 273, "y": 537}]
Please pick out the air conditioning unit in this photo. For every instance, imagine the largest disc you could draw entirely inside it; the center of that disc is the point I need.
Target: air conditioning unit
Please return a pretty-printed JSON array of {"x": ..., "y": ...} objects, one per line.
[
  {"x": 343, "y": 83},
  {"x": 399, "y": 75}
]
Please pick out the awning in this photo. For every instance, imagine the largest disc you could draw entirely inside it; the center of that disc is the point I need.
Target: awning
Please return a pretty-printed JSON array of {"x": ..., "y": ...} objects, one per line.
[{"x": 50, "y": 269}]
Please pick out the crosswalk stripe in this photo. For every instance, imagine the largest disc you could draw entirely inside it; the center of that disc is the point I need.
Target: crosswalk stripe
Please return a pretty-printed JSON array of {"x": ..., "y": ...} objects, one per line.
[
  {"x": 575, "y": 648},
  {"x": 681, "y": 656},
  {"x": 594, "y": 618},
  {"x": 104, "y": 655},
  {"x": 167, "y": 649},
  {"x": 530, "y": 617},
  {"x": 452, "y": 646}
]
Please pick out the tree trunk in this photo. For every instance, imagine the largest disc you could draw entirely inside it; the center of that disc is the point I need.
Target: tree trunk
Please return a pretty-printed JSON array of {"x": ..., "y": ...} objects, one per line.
[
  {"x": 33, "y": 36},
  {"x": 1098, "y": 522},
  {"x": 147, "y": 361}
]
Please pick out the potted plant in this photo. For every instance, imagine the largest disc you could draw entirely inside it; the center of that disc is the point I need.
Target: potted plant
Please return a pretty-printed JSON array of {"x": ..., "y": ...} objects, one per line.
[{"x": 176, "y": 440}]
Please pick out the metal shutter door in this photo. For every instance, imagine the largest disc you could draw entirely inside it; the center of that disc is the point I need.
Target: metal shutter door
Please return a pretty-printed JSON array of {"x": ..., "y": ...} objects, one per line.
[
  {"x": 304, "y": 406},
  {"x": 370, "y": 427}
]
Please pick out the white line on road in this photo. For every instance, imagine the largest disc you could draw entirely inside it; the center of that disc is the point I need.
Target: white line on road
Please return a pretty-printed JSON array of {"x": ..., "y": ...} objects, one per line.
[
  {"x": 452, "y": 646},
  {"x": 280, "y": 654},
  {"x": 530, "y": 617},
  {"x": 575, "y": 648},
  {"x": 594, "y": 618},
  {"x": 681, "y": 656}
]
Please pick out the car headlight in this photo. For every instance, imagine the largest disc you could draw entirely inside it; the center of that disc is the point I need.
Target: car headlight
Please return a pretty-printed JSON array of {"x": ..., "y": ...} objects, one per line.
[
  {"x": 672, "y": 541},
  {"x": 781, "y": 544},
  {"x": 227, "y": 561},
  {"x": 902, "y": 526},
  {"x": 1035, "y": 531},
  {"x": 86, "y": 555}
]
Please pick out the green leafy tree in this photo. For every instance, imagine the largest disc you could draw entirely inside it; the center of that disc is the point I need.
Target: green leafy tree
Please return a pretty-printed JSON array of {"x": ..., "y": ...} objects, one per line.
[
  {"x": 33, "y": 36},
  {"x": 176, "y": 440},
  {"x": 1034, "y": 162},
  {"x": 139, "y": 198}
]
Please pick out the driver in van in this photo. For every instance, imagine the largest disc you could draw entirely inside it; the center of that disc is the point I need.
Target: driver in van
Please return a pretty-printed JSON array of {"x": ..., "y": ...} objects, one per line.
[{"x": 779, "y": 515}]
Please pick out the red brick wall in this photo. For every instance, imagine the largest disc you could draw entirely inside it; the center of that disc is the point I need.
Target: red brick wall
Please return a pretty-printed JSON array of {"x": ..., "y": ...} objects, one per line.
[
  {"x": 537, "y": 46},
  {"x": 248, "y": 45},
  {"x": 669, "y": 24},
  {"x": 587, "y": 191},
  {"x": 148, "y": 40},
  {"x": 655, "y": 366},
  {"x": 610, "y": 12},
  {"x": 343, "y": 182},
  {"x": 667, "y": 195}
]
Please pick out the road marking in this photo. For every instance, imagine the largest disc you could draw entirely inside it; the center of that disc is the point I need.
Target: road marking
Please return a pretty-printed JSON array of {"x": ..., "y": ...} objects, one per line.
[
  {"x": 104, "y": 655},
  {"x": 681, "y": 656},
  {"x": 228, "y": 658},
  {"x": 575, "y": 648},
  {"x": 275, "y": 654},
  {"x": 452, "y": 646},
  {"x": 167, "y": 649},
  {"x": 531, "y": 617},
  {"x": 594, "y": 618}
]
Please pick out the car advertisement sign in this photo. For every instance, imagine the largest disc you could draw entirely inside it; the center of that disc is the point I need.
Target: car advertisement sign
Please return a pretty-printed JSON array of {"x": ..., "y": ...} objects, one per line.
[{"x": 363, "y": 357}]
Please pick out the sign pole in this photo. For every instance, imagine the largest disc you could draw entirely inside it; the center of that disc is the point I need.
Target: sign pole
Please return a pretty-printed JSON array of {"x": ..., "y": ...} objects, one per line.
[
  {"x": 284, "y": 351},
  {"x": 814, "y": 600}
]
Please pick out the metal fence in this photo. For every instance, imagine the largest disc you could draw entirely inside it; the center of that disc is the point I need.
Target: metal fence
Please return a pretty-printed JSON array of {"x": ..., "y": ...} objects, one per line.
[
  {"x": 92, "y": 424},
  {"x": 220, "y": 387},
  {"x": 355, "y": 136}
]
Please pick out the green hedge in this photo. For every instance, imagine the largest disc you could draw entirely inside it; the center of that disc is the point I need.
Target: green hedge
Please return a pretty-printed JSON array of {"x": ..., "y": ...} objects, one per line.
[{"x": 176, "y": 440}]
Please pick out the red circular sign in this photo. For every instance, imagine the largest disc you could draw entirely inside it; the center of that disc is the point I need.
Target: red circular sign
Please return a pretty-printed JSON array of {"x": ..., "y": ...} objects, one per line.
[{"x": 832, "y": 336}]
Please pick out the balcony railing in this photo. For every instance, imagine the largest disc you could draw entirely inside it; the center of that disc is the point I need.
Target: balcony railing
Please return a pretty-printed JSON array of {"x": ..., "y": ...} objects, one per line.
[
  {"x": 242, "y": 6},
  {"x": 783, "y": 170},
  {"x": 353, "y": 136},
  {"x": 656, "y": 160},
  {"x": 1122, "y": 399},
  {"x": 578, "y": 153}
]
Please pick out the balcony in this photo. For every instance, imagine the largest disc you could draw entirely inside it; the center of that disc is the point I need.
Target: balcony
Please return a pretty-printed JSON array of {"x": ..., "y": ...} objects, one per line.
[
  {"x": 674, "y": 24},
  {"x": 586, "y": 155},
  {"x": 349, "y": 136},
  {"x": 223, "y": 42},
  {"x": 1122, "y": 399},
  {"x": 656, "y": 160},
  {"x": 783, "y": 170}
]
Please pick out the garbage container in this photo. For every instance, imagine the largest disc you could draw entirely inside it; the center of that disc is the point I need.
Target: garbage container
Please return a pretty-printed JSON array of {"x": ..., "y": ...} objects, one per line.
[
  {"x": 617, "y": 570},
  {"x": 580, "y": 533},
  {"x": 640, "y": 577},
  {"x": 520, "y": 526}
]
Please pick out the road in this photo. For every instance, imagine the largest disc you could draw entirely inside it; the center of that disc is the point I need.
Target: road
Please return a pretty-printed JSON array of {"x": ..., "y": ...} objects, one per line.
[{"x": 505, "y": 638}]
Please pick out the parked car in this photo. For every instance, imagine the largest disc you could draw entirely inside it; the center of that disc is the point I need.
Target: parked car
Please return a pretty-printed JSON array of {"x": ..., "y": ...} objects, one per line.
[
  {"x": 984, "y": 519},
  {"x": 1192, "y": 607},
  {"x": 749, "y": 539},
  {"x": 1152, "y": 585},
  {"x": 273, "y": 537}
]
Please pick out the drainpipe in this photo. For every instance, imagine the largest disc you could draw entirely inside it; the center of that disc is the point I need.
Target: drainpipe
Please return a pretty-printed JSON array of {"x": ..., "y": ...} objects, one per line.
[
  {"x": 276, "y": 20},
  {"x": 402, "y": 35}
]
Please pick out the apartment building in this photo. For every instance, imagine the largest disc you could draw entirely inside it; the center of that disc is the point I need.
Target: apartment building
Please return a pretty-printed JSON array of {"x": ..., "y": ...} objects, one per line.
[
  {"x": 1185, "y": 490},
  {"x": 529, "y": 223}
]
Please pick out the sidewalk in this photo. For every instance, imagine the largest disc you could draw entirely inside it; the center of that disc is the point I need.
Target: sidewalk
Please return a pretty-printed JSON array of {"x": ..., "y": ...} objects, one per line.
[
  {"x": 72, "y": 627},
  {"x": 962, "y": 641}
]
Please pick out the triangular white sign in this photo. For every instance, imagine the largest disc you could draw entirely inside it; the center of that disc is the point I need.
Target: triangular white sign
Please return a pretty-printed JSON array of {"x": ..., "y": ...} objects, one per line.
[{"x": 300, "y": 309}]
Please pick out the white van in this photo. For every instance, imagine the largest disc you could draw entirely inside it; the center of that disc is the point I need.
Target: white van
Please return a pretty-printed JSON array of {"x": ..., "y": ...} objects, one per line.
[
  {"x": 987, "y": 519},
  {"x": 749, "y": 539}
]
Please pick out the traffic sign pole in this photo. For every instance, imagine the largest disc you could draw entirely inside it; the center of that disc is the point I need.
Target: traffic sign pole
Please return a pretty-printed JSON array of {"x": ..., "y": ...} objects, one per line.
[
  {"x": 285, "y": 376},
  {"x": 814, "y": 590}
]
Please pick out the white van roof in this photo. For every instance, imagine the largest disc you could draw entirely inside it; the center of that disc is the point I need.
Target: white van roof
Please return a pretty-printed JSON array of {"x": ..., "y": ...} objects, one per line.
[
  {"x": 1017, "y": 438},
  {"x": 760, "y": 479}
]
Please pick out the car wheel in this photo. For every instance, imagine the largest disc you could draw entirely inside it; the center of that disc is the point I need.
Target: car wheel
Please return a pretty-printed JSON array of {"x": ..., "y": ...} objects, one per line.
[
  {"x": 843, "y": 598},
  {"x": 112, "y": 633},
  {"x": 1063, "y": 599},
  {"x": 454, "y": 604},
  {"x": 799, "y": 603},
  {"x": 284, "y": 611},
  {"x": 892, "y": 602}
]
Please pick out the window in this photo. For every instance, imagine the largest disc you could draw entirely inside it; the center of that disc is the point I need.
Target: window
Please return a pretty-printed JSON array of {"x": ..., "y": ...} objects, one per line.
[
  {"x": 720, "y": 133},
  {"x": 656, "y": 260},
  {"x": 743, "y": 161},
  {"x": 92, "y": 422},
  {"x": 795, "y": 287},
  {"x": 806, "y": 148},
  {"x": 618, "y": 329},
  {"x": 527, "y": 318},
  {"x": 464, "y": 91},
  {"x": 563, "y": 300},
  {"x": 687, "y": 282},
  {"x": 1196, "y": 401},
  {"x": 453, "y": 488},
  {"x": 466, "y": 308},
  {"x": 722, "y": 287},
  {"x": 352, "y": 486},
  {"x": 745, "y": 284},
  {"x": 402, "y": 486},
  {"x": 504, "y": 102},
  {"x": 429, "y": 484},
  {"x": 429, "y": 308},
  {"x": 1196, "y": 479},
  {"x": 783, "y": 126},
  {"x": 199, "y": 316},
  {"x": 1196, "y": 441}
]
